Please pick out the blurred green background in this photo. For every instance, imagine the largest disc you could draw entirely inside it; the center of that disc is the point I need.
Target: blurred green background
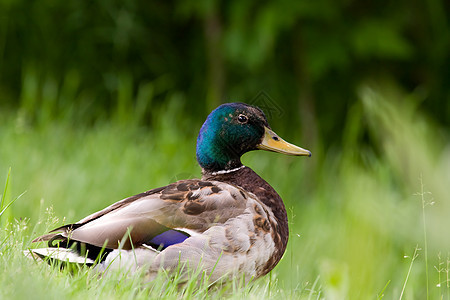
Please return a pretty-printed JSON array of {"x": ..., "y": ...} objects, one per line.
[{"x": 103, "y": 99}]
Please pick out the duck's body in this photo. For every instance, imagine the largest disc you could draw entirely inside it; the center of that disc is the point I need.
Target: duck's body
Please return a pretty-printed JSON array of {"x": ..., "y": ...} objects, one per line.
[{"x": 230, "y": 221}]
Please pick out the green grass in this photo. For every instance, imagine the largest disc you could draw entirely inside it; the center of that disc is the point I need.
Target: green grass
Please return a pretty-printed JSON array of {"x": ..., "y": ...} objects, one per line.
[{"x": 357, "y": 212}]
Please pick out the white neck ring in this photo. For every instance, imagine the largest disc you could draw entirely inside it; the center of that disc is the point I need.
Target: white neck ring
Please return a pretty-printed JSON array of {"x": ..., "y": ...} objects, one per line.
[{"x": 227, "y": 171}]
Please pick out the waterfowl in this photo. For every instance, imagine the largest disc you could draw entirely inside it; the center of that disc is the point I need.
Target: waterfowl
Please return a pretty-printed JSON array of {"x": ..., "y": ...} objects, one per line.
[{"x": 231, "y": 221}]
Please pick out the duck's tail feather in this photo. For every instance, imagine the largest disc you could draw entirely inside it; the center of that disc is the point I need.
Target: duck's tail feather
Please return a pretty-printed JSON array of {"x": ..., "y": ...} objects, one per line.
[
  {"x": 45, "y": 238},
  {"x": 59, "y": 255}
]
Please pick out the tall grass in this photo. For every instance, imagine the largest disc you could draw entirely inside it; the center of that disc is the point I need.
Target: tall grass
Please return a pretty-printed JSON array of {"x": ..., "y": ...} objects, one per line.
[{"x": 352, "y": 222}]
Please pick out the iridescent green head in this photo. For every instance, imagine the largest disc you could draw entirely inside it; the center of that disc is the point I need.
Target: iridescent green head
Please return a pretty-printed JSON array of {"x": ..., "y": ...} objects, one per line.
[{"x": 233, "y": 129}]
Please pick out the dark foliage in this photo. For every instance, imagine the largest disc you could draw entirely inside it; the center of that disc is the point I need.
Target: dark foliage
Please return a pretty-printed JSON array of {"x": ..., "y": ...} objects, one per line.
[{"x": 105, "y": 59}]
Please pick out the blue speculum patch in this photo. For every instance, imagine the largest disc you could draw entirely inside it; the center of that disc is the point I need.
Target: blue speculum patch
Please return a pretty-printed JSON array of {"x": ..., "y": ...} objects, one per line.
[{"x": 168, "y": 238}]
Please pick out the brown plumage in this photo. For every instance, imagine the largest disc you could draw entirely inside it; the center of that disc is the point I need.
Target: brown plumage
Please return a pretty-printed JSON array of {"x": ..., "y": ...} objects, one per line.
[{"x": 248, "y": 180}]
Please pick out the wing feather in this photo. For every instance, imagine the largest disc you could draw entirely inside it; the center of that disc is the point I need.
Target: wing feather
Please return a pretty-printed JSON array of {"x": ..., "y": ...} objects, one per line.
[{"x": 195, "y": 205}]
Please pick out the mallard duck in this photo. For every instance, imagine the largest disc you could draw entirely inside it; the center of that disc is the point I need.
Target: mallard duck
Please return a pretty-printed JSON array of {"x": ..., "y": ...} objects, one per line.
[{"x": 231, "y": 221}]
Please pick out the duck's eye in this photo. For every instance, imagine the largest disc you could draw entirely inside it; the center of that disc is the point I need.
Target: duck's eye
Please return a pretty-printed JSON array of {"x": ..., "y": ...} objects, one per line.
[{"x": 242, "y": 118}]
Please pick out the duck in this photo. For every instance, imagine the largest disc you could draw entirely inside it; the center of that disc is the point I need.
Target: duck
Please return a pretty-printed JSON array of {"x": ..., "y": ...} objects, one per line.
[{"x": 230, "y": 222}]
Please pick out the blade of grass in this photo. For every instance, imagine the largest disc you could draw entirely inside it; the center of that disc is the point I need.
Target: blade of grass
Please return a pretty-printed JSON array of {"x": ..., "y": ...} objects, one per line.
[
  {"x": 4, "y": 207},
  {"x": 9, "y": 204},
  {"x": 413, "y": 258},
  {"x": 6, "y": 188},
  {"x": 422, "y": 195},
  {"x": 381, "y": 294}
]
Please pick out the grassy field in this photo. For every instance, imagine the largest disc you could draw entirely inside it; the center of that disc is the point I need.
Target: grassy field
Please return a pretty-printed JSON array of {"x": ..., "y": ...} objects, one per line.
[{"x": 365, "y": 222}]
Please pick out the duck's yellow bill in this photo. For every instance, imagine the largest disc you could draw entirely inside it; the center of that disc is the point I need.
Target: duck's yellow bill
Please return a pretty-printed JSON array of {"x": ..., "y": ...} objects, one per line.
[{"x": 272, "y": 142}]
